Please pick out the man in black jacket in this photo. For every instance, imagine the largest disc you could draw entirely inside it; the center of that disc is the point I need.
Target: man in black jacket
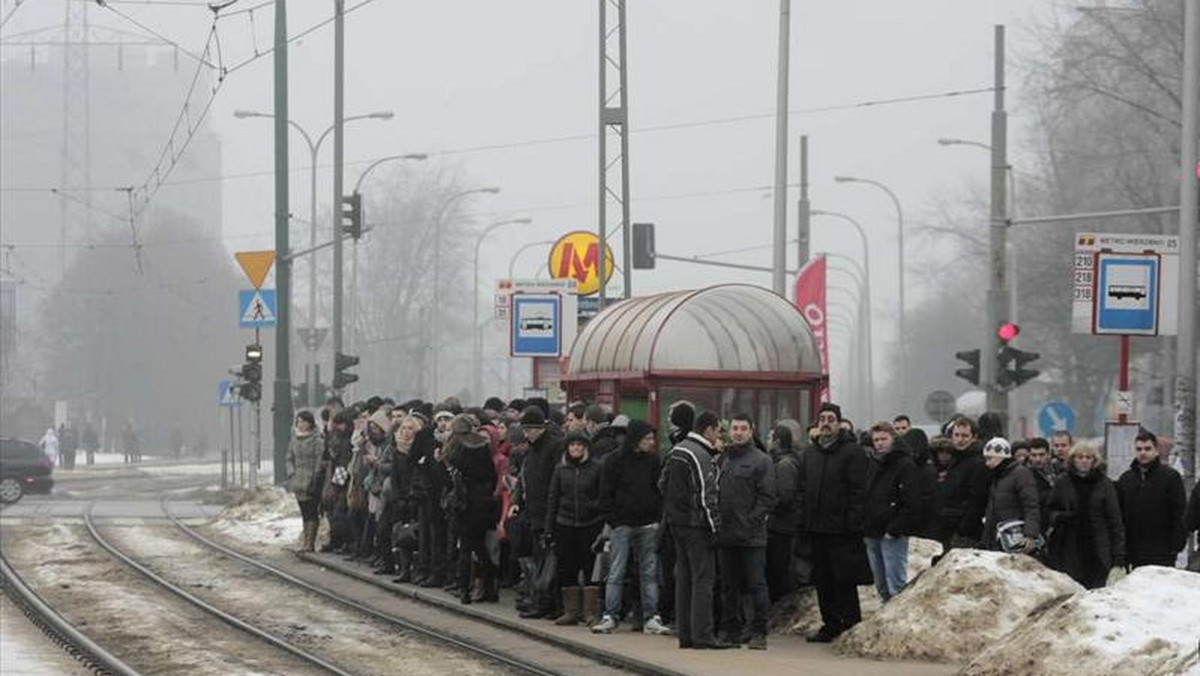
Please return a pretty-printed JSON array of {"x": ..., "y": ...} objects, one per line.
[
  {"x": 890, "y": 513},
  {"x": 631, "y": 505},
  {"x": 965, "y": 487},
  {"x": 784, "y": 519},
  {"x": 1152, "y": 506},
  {"x": 689, "y": 488},
  {"x": 832, "y": 495},
  {"x": 545, "y": 451},
  {"x": 746, "y": 483}
]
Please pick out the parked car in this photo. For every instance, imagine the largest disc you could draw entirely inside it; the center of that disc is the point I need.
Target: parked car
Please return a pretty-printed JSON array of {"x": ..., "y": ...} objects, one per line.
[{"x": 24, "y": 468}]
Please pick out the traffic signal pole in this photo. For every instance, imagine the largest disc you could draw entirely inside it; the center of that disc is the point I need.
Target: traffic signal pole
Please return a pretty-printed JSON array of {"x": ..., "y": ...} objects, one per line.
[
  {"x": 1189, "y": 213},
  {"x": 339, "y": 65},
  {"x": 997, "y": 293},
  {"x": 282, "y": 404}
]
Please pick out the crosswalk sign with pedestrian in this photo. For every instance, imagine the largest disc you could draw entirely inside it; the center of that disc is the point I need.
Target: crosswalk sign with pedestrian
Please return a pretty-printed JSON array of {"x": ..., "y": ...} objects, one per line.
[
  {"x": 256, "y": 308},
  {"x": 226, "y": 396}
]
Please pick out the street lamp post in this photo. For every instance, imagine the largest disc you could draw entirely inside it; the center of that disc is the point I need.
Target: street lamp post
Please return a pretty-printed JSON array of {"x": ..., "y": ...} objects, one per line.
[
  {"x": 899, "y": 274},
  {"x": 866, "y": 252},
  {"x": 477, "y": 351},
  {"x": 437, "y": 269},
  {"x": 313, "y": 149}
]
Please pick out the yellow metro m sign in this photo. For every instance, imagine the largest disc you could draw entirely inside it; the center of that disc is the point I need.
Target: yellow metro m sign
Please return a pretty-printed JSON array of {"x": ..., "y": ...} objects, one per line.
[{"x": 576, "y": 255}]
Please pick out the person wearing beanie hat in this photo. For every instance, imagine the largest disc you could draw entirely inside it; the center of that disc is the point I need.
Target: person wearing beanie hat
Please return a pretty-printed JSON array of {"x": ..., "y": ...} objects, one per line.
[
  {"x": 682, "y": 417},
  {"x": 543, "y": 454},
  {"x": 573, "y": 522},
  {"x": 632, "y": 506},
  {"x": 1013, "y": 496},
  {"x": 831, "y": 495}
]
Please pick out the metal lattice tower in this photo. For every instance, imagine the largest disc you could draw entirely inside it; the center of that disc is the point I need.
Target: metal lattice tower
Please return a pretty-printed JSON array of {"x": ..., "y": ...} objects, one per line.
[
  {"x": 76, "y": 159},
  {"x": 614, "y": 138}
]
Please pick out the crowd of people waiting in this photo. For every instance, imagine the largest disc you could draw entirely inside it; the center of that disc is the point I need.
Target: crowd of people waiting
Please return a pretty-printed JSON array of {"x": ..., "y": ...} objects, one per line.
[{"x": 596, "y": 519}]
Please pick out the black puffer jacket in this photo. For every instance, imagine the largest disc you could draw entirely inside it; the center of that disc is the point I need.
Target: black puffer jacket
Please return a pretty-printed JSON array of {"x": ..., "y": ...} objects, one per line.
[
  {"x": 1152, "y": 507},
  {"x": 1087, "y": 537},
  {"x": 540, "y": 460},
  {"x": 1013, "y": 497},
  {"x": 404, "y": 470},
  {"x": 629, "y": 488},
  {"x": 893, "y": 493},
  {"x": 746, "y": 482},
  {"x": 688, "y": 484},
  {"x": 965, "y": 494},
  {"x": 832, "y": 486},
  {"x": 471, "y": 456},
  {"x": 785, "y": 517},
  {"x": 430, "y": 476},
  {"x": 574, "y": 498}
]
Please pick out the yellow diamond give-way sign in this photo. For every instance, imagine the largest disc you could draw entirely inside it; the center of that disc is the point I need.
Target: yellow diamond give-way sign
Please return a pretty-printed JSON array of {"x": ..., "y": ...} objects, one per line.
[{"x": 256, "y": 265}]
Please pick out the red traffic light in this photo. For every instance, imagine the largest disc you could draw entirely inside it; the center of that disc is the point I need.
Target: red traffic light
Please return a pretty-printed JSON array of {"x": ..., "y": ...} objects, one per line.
[{"x": 1008, "y": 331}]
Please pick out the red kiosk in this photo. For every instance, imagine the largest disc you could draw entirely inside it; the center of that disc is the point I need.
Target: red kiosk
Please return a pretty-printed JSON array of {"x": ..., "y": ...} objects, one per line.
[{"x": 731, "y": 348}]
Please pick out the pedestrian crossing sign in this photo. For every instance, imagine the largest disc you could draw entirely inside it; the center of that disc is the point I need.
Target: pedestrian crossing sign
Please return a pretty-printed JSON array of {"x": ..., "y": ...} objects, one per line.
[
  {"x": 226, "y": 395},
  {"x": 257, "y": 308}
]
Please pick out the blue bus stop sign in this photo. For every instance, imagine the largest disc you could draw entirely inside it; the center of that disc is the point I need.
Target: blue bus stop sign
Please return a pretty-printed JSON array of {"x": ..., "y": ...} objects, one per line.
[
  {"x": 1056, "y": 416},
  {"x": 1127, "y": 291}
]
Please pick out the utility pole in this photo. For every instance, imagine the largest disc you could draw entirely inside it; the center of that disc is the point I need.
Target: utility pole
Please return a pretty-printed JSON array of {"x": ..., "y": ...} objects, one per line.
[
  {"x": 779, "y": 240},
  {"x": 76, "y": 161},
  {"x": 997, "y": 293},
  {"x": 803, "y": 207},
  {"x": 1189, "y": 177},
  {"x": 339, "y": 66},
  {"x": 614, "y": 121},
  {"x": 282, "y": 405}
]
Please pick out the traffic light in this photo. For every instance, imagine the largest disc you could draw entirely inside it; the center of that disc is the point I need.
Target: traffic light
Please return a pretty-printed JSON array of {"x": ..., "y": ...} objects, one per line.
[
  {"x": 342, "y": 362},
  {"x": 251, "y": 374},
  {"x": 643, "y": 246},
  {"x": 352, "y": 215},
  {"x": 1011, "y": 368},
  {"x": 970, "y": 374}
]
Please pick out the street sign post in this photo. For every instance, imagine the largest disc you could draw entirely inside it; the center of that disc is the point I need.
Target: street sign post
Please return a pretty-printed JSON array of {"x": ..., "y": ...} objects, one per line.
[
  {"x": 1089, "y": 244},
  {"x": 536, "y": 325},
  {"x": 257, "y": 308},
  {"x": 1056, "y": 416},
  {"x": 226, "y": 396},
  {"x": 940, "y": 406}
]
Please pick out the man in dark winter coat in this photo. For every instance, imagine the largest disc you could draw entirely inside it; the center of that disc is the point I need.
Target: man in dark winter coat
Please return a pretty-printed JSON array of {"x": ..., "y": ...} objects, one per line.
[
  {"x": 965, "y": 489},
  {"x": 1152, "y": 506},
  {"x": 1043, "y": 472},
  {"x": 689, "y": 488},
  {"x": 545, "y": 451},
  {"x": 1012, "y": 497},
  {"x": 632, "y": 505},
  {"x": 891, "y": 510},
  {"x": 785, "y": 518},
  {"x": 428, "y": 483},
  {"x": 746, "y": 484},
  {"x": 831, "y": 500}
]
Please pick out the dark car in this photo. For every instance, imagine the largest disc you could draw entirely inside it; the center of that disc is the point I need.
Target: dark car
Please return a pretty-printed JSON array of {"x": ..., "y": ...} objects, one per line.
[{"x": 24, "y": 468}]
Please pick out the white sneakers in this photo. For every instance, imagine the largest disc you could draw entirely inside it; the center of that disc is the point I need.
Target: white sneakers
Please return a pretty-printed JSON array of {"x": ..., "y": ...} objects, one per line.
[
  {"x": 606, "y": 625},
  {"x": 655, "y": 626}
]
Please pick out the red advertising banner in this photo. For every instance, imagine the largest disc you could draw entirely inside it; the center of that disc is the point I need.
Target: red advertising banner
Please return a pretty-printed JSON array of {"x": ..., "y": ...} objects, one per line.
[{"x": 810, "y": 299}]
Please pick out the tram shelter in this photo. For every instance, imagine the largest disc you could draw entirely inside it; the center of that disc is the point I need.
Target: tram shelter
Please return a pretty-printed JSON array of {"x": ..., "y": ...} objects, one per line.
[{"x": 731, "y": 348}]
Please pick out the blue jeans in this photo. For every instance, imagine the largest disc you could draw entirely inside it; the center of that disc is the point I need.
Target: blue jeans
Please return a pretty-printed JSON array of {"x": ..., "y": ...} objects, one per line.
[
  {"x": 889, "y": 564},
  {"x": 643, "y": 541}
]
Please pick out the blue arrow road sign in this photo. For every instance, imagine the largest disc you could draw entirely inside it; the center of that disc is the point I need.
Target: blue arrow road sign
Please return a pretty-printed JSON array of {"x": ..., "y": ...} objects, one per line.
[
  {"x": 256, "y": 308},
  {"x": 1127, "y": 289},
  {"x": 1056, "y": 416},
  {"x": 226, "y": 397}
]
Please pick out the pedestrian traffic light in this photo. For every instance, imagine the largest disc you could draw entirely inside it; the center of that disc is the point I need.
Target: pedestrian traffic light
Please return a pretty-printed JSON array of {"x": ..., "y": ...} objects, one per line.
[
  {"x": 643, "y": 246},
  {"x": 1007, "y": 331},
  {"x": 970, "y": 374},
  {"x": 1011, "y": 368},
  {"x": 352, "y": 215},
  {"x": 342, "y": 362}
]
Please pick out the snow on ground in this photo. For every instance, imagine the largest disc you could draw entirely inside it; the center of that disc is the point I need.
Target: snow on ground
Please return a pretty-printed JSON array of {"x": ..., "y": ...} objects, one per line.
[
  {"x": 798, "y": 614},
  {"x": 1146, "y": 624},
  {"x": 25, "y": 651},
  {"x": 958, "y": 608},
  {"x": 269, "y": 516}
]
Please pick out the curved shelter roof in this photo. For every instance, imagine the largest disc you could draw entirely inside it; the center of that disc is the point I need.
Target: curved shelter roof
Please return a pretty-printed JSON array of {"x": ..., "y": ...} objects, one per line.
[{"x": 726, "y": 328}]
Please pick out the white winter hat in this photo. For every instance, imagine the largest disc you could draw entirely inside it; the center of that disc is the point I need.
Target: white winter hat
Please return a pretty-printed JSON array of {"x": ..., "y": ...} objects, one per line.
[{"x": 998, "y": 447}]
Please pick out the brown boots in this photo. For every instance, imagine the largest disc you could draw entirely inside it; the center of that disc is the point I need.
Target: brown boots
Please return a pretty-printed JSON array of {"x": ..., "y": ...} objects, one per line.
[{"x": 580, "y": 604}]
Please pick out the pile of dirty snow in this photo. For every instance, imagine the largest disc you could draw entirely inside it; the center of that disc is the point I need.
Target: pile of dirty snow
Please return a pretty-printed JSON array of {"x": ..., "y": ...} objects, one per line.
[
  {"x": 1147, "y": 623},
  {"x": 268, "y": 516},
  {"x": 958, "y": 608},
  {"x": 797, "y": 614}
]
